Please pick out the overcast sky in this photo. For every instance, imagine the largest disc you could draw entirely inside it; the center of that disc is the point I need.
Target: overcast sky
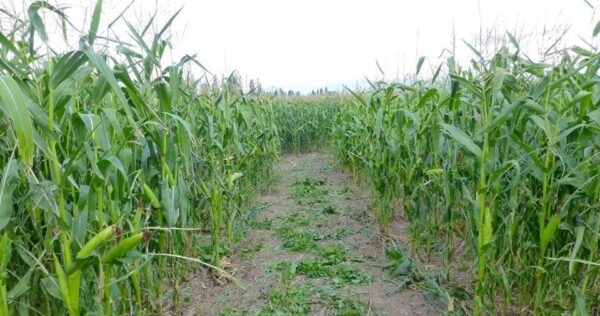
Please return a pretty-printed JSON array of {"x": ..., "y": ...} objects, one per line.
[{"x": 307, "y": 44}]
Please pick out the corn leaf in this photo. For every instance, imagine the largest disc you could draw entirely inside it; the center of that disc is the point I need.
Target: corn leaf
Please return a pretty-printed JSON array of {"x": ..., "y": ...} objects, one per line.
[
  {"x": 549, "y": 232},
  {"x": 18, "y": 111},
  {"x": 462, "y": 138},
  {"x": 95, "y": 22},
  {"x": 6, "y": 192}
]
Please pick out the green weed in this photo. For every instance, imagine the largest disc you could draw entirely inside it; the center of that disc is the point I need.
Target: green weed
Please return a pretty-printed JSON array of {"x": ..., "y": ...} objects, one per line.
[
  {"x": 299, "y": 241},
  {"x": 304, "y": 299},
  {"x": 310, "y": 192}
]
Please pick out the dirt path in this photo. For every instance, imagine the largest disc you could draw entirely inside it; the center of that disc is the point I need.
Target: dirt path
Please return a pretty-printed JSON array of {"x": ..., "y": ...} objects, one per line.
[{"x": 311, "y": 247}]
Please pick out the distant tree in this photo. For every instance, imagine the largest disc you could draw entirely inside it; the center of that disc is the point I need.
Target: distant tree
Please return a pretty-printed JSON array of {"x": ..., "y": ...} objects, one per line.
[
  {"x": 281, "y": 92},
  {"x": 298, "y": 93},
  {"x": 291, "y": 93},
  {"x": 312, "y": 92},
  {"x": 252, "y": 86},
  {"x": 326, "y": 92},
  {"x": 275, "y": 93},
  {"x": 259, "y": 88},
  {"x": 215, "y": 82},
  {"x": 321, "y": 91},
  {"x": 204, "y": 87},
  {"x": 236, "y": 82}
]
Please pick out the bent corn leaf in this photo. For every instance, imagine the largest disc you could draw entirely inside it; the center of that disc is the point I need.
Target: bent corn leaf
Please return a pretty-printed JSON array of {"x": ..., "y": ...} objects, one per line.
[
  {"x": 6, "y": 193},
  {"x": 11, "y": 95},
  {"x": 460, "y": 136}
]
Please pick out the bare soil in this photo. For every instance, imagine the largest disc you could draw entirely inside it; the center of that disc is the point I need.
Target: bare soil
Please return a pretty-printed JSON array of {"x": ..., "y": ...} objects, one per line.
[{"x": 355, "y": 221}]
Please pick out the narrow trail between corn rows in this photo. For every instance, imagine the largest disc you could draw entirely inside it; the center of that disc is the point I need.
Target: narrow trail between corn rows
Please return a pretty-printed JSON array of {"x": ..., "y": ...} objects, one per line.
[{"x": 311, "y": 247}]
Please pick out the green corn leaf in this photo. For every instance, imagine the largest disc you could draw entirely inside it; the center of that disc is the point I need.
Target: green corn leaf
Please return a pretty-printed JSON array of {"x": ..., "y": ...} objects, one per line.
[
  {"x": 428, "y": 95},
  {"x": 168, "y": 200},
  {"x": 5, "y": 253},
  {"x": 129, "y": 52},
  {"x": 541, "y": 87},
  {"x": 6, "y": 192},
  {"x": 66, "y": 66},
  {"x": 531, "y": 153},
  {"x": 163, "y": 96},
  {"x": 581, "y": 95},
  {"x": 549, "y": 232},
  {"x": 505, "y": 114},
  {"x": 106, "y": 72},
  {"x": 436, "y": 73},
  {"x": 21, "y": 287},
  {"x": 473, "y": 49},
  {"x": 584, "y": 262},
  {"x": 513, "y": 40},
  {"x": 580, "y": 309},
  {"x": 497, "y": 82},
  {"x": 35, "y": 19},
  {"x": 595, "y": 116},
  {"x": 539, "y": 122},
  {"x": 461, "y": 137},
  {"x": 420, "y": 64},
  {"x": 583, "y": 52},
  {"x": 6, "y": 43},
  {"x": 95, "y": 22},
  {"x": 4, "y": 257},
  {"x": 18, "y": 111},
  {"x": 50, "y": 284},
  {"x": 168, "y": 24},
  {"x": 579, "y": 233},
  {"x": 111, "y": 161},
  {"x": 469, "y": 85}
]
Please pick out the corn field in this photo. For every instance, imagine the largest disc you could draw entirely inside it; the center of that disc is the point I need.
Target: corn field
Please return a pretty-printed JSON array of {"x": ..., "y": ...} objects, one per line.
[
  {"x": 110, "y": 163},
  {"x": 304, "y": 124},
  {"x": 500, "y": 163},
  {"x": 115, "y": 164}
]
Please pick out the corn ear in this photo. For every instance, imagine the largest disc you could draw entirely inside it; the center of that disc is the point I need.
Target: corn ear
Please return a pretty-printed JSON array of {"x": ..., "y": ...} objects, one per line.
[
  {"x": 232, "y": 178},
  {"x": 63, "y": 284},
  {"x": 151, "y": 196},
  {"x": 123, "y": 247},
  {"x": 77, "y": 265},
  {"x": 96, "y": 241}
]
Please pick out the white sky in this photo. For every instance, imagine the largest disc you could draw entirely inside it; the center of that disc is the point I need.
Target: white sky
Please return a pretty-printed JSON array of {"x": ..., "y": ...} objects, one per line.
[{"x": 307, "y": 44}]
